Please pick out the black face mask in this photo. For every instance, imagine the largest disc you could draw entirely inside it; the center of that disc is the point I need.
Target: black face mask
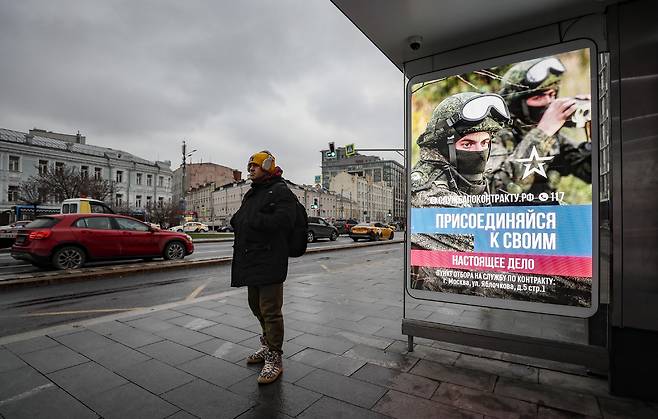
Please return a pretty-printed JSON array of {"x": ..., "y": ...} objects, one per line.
[
  {"x": 471, "y": 163},
  {"x": 535, "y": 113}
]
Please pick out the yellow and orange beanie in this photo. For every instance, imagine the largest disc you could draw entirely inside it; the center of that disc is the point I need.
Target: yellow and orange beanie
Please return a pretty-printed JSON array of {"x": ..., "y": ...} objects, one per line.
[{"x": 264, "y": 159}]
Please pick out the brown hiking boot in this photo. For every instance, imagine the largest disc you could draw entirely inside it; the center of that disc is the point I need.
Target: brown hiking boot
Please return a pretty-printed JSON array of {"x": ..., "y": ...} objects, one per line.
[
  {"x": 258, "y": 356},
  {"x": 272, "y": 369}
]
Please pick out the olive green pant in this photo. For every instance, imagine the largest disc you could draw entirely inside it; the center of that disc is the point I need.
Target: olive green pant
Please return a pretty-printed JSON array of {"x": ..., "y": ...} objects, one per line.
[{"x": 265, "y": 302}]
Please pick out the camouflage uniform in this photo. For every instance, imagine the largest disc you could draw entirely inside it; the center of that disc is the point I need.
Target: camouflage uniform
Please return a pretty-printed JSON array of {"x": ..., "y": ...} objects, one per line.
[
  {"x": 435, "y": 177},
  {"x": 503, "y": 171}
]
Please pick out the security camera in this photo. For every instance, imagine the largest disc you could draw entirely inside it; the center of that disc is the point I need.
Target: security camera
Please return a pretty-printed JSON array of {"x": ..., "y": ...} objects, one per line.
[{"x": 415, "y": 42}]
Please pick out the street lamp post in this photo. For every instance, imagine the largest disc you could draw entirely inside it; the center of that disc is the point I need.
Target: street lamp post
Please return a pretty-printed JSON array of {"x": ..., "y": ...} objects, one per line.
[{"x": 183, "y": 188}]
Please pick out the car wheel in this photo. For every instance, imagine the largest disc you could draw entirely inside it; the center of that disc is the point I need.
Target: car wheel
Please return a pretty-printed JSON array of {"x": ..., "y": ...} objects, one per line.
[
  {"x": 310, "y": 237},
  {"x": 355, "y": 239},
  {"x": 334, "y": 236},
  {"x": 69, "y": 257},
  {"x": 391, "y": 236},
  {"x": 180, "y": 230},
  {"x": 174, "y": 251}
]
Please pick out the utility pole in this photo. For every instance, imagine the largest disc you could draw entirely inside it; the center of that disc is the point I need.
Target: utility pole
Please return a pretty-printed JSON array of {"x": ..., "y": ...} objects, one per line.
[
  {"x": 183, "y": 203},
  {"x": 184, "y": 161}
]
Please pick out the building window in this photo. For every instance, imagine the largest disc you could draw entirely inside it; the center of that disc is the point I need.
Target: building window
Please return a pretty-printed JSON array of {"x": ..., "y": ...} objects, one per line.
[
  {"x": 149, "y": 180},
  {"x": 12, "y": 193},
  {"x": 160, "y": 201},
  {"x": 14, "y": 163},
  {"x": 97, "y": 173},
  {"x": 160, "y": 181},
  {"x": 43, "y": 167},
  {"x": 59, "y": 167},
  {"x": 148, "y": 201},
  {"x": 139, "y": 178},
  {"x": 84, "y": 171},
  {"x": 119, "y": 176},
  {"x": 119, "y": 200},
  {"x": 138, "y": 201},
  {"x": 168, "y": 182}
]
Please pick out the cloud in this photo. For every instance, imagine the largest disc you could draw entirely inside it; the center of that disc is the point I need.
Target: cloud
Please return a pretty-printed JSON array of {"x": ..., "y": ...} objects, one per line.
[{"x": 228, "y": 77}]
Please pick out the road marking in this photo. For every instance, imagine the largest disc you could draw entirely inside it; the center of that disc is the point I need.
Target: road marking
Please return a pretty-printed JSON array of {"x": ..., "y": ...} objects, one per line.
[
  {"x": 26, "y": 394},
  {"x": 62, "y": 313},
  {"x": 324, "y": 267},
  {"x": 196, "y": 292},
  {"x": 15, "y": 266}
]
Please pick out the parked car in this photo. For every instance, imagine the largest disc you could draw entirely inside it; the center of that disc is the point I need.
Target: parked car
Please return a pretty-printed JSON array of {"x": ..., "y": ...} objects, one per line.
[
  {"x": 344, "y": 226},
  {"x": 226, "y": 229},
  {"x": 191, "y": 227},
  {"x": 68, "y": 241},
  {"x": 8, "y": 233},
  {"x": 371, "y": 231},
  {"x": 319, "y": 228}
]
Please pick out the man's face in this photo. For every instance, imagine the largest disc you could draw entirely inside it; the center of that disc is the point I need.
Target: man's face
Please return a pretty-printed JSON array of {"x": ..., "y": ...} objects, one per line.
[
  {"x": 256, "y": 172},
  {"x": 475, "y": 141},
  {"x": 543, "y": 99}
]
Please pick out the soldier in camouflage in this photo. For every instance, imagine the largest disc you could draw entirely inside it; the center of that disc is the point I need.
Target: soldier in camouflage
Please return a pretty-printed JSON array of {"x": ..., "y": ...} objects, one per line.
[
  {"x": 530, "y": 89},
  {"x": 454, "y": 149}
]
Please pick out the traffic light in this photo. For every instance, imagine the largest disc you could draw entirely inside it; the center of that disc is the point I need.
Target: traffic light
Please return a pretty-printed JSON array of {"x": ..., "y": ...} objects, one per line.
[{"x": 331, "y": 154}]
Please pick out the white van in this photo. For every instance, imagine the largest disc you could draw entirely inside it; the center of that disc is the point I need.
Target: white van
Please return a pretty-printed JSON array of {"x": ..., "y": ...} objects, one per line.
[{"x": 84, "y": 206}]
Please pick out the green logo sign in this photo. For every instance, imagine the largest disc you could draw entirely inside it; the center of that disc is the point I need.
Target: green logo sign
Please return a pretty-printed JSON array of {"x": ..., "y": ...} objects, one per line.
[{"x": 349, "y": 150}]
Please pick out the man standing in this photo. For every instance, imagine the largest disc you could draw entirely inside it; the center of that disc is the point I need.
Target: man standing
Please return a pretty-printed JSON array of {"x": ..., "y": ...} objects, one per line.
[
  {"x": 531, "y": 89},
  {"x": 262, "y": 226},
  {"x": 454, "y": 149}
]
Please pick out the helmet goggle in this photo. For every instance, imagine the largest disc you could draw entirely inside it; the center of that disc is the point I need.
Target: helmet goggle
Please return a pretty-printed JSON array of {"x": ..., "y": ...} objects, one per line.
[
  {"x": 541, "y": 70},
  {"x": 474, "y": 111},
  {"x": 479, "y": 107}
]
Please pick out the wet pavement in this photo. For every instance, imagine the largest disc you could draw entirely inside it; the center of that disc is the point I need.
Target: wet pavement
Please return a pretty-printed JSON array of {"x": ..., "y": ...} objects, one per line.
[{"x": 344, "y": 358}]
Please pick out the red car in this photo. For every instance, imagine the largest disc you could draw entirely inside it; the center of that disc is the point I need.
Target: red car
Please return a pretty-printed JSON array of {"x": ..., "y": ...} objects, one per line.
[{"x": 68, "y": 241}]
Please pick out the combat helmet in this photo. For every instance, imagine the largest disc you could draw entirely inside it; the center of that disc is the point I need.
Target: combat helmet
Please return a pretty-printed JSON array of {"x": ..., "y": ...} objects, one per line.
[
  {"x": 461, "y": 114},
  {"x": 529, "y": 78}
]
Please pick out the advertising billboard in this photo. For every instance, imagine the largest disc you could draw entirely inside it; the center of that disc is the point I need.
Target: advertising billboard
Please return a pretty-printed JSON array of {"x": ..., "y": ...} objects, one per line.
[{"x": 503, "y": 174}]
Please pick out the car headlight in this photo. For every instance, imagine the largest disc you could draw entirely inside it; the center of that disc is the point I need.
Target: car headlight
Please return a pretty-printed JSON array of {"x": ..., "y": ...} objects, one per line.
[{"x": 188, "y": 237}]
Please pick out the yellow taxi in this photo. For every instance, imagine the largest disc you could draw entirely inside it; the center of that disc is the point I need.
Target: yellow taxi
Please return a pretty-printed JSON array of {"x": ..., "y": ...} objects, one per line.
[{"x": 371, "y": 231}]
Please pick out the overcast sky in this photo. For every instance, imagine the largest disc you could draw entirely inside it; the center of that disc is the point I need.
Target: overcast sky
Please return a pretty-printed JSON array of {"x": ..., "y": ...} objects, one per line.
[{"x": 229, "y": 77}]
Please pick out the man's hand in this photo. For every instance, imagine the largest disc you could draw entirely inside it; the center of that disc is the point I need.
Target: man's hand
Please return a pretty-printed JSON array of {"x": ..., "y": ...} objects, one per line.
[{"x": 556, "y": 115}]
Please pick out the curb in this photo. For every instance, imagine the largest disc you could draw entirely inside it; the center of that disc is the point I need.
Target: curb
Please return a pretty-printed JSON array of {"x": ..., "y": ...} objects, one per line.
[{"x": 85, "y": 274}]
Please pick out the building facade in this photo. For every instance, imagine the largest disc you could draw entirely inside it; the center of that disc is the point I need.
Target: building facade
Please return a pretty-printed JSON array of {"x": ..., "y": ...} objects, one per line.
[
  {"x": 200, "y": 200},
  {"x": 373, "y": 200},
  {"x": 138, "y": 182},
  {"x": 197, "y": 174},
  {"x": 390, "y": 172},
  {"x": 319, "y": 202}
]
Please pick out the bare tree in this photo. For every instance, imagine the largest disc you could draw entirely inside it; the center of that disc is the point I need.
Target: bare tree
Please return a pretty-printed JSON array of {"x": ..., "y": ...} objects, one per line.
[
  {"x": 97, "y": 188},
  {"x": 165, "y": 214},
  {"x": 33, "y": 192},
  {"x": 67, "y": 182},
  {"x": 61, "y": 182}
]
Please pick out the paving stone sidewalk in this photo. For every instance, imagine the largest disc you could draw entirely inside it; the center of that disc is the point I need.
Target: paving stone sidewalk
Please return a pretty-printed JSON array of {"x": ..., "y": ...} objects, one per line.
[{"x": 344, "y": 358}]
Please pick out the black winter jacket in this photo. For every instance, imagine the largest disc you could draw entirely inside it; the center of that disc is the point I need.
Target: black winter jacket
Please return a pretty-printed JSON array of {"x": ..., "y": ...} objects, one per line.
[{"x": 262, "y": 226}]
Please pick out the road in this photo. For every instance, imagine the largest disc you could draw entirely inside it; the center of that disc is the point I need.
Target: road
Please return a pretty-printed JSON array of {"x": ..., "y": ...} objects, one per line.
[
  {"x": 9, "y": 266},
  {"x": 28, "y": 309}
]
